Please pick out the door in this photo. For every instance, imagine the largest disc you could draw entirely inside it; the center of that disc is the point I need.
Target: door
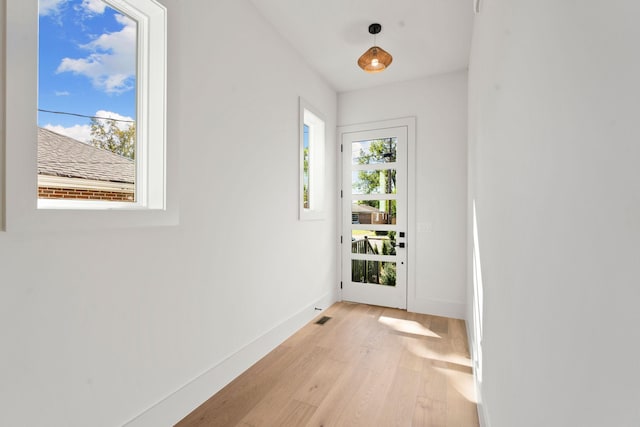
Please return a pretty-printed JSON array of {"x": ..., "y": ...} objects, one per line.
[{"x": 374, "y": 216}]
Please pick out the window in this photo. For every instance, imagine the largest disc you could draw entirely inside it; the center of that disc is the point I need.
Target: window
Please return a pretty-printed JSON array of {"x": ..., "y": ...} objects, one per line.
[
  {"x": 122, "y": 58},
  {"x": 87, "y": 77},
  {"x": 94, "y": 120},
  {"x": 312, "y": 172}
]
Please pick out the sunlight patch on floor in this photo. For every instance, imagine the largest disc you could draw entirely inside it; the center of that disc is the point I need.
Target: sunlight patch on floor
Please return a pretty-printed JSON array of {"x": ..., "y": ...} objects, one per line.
[
  {"x": 461, "y": 381},
  {"x": 422, "y": 349},
  {"x": 407, "y": 326}
]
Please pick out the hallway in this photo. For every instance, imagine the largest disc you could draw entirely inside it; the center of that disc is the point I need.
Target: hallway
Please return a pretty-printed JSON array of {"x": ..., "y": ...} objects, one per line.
[{"x": 366, "y": 366}]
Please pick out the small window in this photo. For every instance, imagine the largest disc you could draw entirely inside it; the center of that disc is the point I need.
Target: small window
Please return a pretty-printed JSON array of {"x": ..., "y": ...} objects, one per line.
[
  {"x": 99, "y": 138},
  {"x": 312, "y": 171}
]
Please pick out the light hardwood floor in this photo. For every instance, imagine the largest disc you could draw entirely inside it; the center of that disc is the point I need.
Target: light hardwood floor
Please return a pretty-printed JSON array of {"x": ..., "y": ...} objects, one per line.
[{"x": 366, "y": 366}]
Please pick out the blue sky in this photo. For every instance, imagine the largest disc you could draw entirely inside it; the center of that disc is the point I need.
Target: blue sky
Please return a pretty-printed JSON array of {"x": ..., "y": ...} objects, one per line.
[{"x": 87, "y": 59}]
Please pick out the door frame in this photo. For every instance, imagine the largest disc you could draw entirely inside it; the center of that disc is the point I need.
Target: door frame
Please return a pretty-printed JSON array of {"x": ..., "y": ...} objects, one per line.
[{"x": 410, "y": 124}]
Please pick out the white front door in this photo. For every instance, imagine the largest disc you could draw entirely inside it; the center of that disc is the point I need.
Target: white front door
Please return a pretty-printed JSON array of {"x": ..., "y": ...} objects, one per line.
[{"x": 374, "y": 216}]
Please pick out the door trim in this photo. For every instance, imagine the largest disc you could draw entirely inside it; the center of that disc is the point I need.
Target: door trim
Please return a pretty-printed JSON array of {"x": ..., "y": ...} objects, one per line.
[{"x": 410, "y": 124}]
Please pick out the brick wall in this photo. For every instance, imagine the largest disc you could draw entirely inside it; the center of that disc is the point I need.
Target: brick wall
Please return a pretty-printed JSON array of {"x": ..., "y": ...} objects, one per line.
[{"x": 76, "y": 194}]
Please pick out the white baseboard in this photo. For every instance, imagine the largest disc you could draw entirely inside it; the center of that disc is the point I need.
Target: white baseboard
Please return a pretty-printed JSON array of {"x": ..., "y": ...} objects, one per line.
[
  {"x": 483, "y": 418},
  {"x": 181, "y": 402},
  {"x": 456, "y": 310}
]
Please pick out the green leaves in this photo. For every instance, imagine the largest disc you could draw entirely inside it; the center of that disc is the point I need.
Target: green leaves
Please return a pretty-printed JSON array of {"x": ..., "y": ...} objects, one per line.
[
  {"x": 378, "y": 151},
  {"x": 107, "y": 134}
]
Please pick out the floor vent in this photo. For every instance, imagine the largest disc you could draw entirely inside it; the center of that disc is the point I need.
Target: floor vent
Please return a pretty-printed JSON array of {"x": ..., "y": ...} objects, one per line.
[{"x": 323, "y": 320}]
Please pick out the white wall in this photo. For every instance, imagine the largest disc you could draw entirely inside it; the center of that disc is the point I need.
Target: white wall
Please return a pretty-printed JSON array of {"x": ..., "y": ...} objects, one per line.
[
  {"x": 554, "y": 104},
  {"x": 98, "y": 326},
  {"x": 440, "y": 106}
]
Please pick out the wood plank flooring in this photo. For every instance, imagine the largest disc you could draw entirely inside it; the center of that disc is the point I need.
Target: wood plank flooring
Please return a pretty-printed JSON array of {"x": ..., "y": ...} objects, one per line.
[{"x": 367, "y": 366}]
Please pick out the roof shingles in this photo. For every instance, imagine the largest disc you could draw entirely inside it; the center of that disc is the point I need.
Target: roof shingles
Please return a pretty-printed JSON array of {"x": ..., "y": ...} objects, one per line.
[{"x": 59, "y": 155}]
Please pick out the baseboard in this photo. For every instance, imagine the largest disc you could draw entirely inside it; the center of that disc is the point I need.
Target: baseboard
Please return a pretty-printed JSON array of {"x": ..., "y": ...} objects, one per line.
[
  {"x": 456, "y": 310},
  {"x": 180, "y": 403},
  {"x": 483, "y": 418}
]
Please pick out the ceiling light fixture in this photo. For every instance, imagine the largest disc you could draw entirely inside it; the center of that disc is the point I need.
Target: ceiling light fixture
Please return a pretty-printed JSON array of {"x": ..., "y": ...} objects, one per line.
[{"x": 375, "y": 59}]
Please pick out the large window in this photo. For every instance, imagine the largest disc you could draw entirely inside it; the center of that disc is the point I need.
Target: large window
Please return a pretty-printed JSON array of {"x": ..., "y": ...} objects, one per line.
[
  {"x": 87, "y": 75},
  {"x": 93, "y": 73},
  {"x": 100, "y": 142},
  {"x": 312, "y": 170}
]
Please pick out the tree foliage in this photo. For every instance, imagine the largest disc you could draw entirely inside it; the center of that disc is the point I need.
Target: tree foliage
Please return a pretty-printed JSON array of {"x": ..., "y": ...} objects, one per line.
[
  {"x": 370, "y": 182},
  {"x": 107, "y": 134},
  {"x": 388, "y": 277},
  {"x": 305, "y": 177},
  {"x": 389, "y": 246},
  {"x": 379, "y": 151}
]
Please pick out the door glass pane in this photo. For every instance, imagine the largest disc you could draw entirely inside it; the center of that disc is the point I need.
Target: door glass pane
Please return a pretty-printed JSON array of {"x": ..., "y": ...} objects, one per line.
[
  {"x": 374, "y": 182},
  {"x": 374, "y": 151},
  {"x": 373, "y": 272},
  {"x": 373, "y": 212},
  {"x": 373, "y": 242}
]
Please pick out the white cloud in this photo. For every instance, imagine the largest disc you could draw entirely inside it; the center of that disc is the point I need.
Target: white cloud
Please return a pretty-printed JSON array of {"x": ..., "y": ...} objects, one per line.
[
  {"x": 50, "y": 7},
  {"x": 62, "y": 93},
  {"x": 79, "y": 132},
  {"x": 355, "y": 149},
  {"x": 112, "y": 115},
  {"x": 94, "y": 6},
  {"x": 83, "y": 132},
  {"x": 111, "y": 63},
  {"x": 124, "y": 125}
]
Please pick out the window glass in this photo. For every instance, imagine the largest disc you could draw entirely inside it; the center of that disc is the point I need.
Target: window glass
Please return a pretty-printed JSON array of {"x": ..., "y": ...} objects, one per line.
[
  {"x": 312, "y": 173},
  {"x": 87, "y": 91},
  {"x": 305, "y": 168},
  {"x": 378, "y": 242},
  {"x": 379, "y": 181},
  {"x": 373, "y": 272},
  {"x": 374, "y": 151},
  {"x": 373, "y": 212}
]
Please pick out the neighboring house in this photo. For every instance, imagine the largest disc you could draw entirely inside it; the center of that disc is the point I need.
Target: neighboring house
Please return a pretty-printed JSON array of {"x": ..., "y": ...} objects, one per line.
[
  {"x": 365, "y": 214},
  {"x": 71, "y": 169}
]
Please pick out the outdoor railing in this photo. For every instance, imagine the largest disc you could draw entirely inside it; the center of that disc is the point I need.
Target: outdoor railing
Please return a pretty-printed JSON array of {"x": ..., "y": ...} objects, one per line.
[{"x": 364, "y": 271}]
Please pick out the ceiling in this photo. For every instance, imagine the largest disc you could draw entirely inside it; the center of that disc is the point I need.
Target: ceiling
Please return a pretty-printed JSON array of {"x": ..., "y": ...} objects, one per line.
[{"x": 425, "y": 37}]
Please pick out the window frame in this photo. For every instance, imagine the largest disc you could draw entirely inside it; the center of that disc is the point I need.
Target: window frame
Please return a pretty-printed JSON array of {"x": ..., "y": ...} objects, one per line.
[
  {"x": 2, "y": 123},
  {"x": 317, "y": 174},
  {"x": 23, "y": 209}
]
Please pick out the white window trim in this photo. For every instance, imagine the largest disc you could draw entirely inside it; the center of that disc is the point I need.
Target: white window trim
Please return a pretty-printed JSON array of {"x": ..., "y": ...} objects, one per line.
[
  {"x": 317, "y": 172},
  {"x": 23, "y": 210},
  {"x": 2, "y": 121}
]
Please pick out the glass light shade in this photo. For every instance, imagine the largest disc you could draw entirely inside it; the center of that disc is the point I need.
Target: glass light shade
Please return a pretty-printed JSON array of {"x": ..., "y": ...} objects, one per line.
[{"x": 375, "y": 60}]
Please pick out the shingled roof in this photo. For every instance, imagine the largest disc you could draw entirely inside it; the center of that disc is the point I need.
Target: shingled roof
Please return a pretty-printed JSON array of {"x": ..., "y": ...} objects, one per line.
[{"x": 59, "y": 155}]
